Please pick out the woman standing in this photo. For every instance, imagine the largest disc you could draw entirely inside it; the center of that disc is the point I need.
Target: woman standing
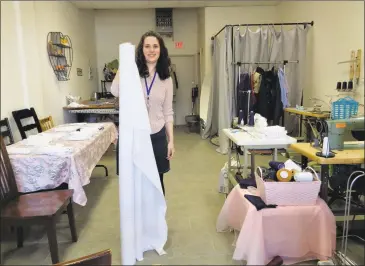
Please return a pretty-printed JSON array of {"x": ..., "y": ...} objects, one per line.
[{"x": 153, "y": 65}]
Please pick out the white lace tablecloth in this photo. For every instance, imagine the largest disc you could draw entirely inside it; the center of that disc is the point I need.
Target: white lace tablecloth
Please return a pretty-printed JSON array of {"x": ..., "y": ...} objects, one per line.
[{"x": 65, "y": 154}]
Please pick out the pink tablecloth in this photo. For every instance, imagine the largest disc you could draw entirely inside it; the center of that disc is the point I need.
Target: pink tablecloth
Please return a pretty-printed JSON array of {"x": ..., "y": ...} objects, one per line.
[{"x": 296, "y": 233}]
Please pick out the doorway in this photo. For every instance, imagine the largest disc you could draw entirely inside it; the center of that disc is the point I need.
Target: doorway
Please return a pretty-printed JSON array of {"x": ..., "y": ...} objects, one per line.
[{"x": 185, "y": 67}]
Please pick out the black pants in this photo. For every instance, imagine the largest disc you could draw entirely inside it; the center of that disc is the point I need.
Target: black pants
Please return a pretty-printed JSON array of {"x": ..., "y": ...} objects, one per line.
[{"x": 159, "y": 145}]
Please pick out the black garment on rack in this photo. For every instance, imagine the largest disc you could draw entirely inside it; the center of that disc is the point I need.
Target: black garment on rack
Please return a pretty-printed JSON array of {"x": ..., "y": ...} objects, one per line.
[{"x": 269, "y": 103}]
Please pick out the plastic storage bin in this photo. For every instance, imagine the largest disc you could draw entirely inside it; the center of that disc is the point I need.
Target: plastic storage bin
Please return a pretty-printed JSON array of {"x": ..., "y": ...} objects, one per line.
[{"x": 344, "y": 108}]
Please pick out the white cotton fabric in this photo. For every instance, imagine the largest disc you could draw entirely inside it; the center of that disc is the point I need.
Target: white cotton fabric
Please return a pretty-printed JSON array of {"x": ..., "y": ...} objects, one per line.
[{"x": 142, "y": 203}]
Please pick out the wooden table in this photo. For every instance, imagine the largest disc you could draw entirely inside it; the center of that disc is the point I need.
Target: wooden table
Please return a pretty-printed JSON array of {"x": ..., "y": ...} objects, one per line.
[
  {"x": 347, "y": 156},
  {"x": 104, "y": 104},
  {"x": 99, "y": 107},
  {"x": 307, "y": 115}
]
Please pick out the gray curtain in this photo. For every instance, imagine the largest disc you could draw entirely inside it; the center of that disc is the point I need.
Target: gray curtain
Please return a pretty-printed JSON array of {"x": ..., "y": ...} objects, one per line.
[
  {"x": 266, "y": 44},
  {"x": 249, "y": 46},
  {"x": 221, "y": 101},
  {"x": 291, "y": 45}
]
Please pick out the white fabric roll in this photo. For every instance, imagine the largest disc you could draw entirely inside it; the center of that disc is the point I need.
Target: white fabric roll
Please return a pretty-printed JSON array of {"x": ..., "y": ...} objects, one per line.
[{"x": 142, "y": 203}]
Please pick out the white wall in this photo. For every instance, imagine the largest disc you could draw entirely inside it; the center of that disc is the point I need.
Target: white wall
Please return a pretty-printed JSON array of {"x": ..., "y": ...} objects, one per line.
[
  {"x": 113, "y": 27},
  {"x": 338, "y": 28},
  {"x": 25, "y": 67}
]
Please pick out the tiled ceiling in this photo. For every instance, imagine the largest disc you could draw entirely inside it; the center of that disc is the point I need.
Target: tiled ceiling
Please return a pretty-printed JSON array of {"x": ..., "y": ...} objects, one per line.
[{"x": 168, "y": 4}]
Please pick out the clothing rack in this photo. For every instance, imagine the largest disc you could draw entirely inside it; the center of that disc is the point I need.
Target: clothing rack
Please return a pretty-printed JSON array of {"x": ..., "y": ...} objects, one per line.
[
  {"x": 264, "y": 24},
  {"x": 284, "y": 62}
]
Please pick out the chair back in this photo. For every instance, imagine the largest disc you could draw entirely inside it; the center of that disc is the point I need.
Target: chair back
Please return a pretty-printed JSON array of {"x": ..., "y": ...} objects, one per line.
[
  {"x": 8, "y": 187},
  {"x": 100, "y": 258},
  {"x": 5, "y": 131},
  {"x": 46, "y": 123},
  {"x": 23, "y": 114}
]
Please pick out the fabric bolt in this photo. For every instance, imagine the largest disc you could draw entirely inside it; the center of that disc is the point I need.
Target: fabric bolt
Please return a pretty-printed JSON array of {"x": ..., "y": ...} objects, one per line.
[{"x": 142, "y": 202}]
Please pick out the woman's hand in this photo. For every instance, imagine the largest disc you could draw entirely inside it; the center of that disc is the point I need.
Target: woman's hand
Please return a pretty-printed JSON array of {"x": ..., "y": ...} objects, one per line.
[{"x": 170, "y": 150}]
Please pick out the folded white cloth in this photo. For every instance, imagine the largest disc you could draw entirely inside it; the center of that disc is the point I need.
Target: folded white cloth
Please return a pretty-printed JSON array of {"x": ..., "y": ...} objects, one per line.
[
  {"x": 38, "y": 140},
  {"x": 66, "y": 128},
  {"x": 75, "y": 104},
  {"x": 53, "y": 150},
  {"x": 17, "y": 150},
  {"x": 83, "y": 134}
]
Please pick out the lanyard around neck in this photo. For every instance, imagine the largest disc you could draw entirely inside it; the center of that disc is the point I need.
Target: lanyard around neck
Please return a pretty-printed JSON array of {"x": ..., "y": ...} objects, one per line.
[{"x": 148, "y": 88}]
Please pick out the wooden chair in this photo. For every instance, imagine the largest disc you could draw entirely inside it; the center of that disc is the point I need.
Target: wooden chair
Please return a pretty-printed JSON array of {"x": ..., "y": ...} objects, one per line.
[
  {"x": 23, "y": 114},
  {"x": 35, "y": 208},
  {"x": 46, "y": 123},
  {"x": 100, "y": 258},
  {"x": 5, "y": 130}
]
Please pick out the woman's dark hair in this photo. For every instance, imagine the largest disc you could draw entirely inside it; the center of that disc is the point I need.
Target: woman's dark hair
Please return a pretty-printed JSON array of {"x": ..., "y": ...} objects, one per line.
[{"x": 163, "y": 62}]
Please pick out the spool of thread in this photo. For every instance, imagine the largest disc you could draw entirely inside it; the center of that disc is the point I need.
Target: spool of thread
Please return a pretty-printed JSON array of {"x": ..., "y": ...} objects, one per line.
[
  {"x": 344, "y": 85},
  {"x": 240, "y": 118},
  {"x": 284, "y": 175},
  {"x": 251, "y": 119},
  {"x": 351, "y": 85},
  {"x": 303, "y": 177},
  {"x": 276, "y": 165},
  {"x": 338, "y": 86},
  {"x": 325, "y": 147}
]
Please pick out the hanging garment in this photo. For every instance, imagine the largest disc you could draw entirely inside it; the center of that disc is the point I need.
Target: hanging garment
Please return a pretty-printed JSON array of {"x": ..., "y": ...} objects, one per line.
[
  {"x": 142, "y": 203},
  {"x": 268, "y": 105},
  {"x": 278, "y": 105},
  {"x": 284, "y": 88},
  {"x": 244, "y": 99}
]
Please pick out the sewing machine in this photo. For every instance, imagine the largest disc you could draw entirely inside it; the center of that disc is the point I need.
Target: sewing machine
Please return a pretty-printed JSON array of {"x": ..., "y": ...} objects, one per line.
[{"x": 338, "y": 128}]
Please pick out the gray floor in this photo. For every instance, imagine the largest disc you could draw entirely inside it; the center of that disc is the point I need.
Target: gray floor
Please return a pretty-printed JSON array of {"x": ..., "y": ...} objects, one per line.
[{"x": 193, "y": 207}]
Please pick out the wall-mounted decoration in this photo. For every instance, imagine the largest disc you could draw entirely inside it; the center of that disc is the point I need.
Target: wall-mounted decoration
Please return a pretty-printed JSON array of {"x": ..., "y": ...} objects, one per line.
[
  {"x": 79, "y": 71},
  {"x": 60, "y": 53}
]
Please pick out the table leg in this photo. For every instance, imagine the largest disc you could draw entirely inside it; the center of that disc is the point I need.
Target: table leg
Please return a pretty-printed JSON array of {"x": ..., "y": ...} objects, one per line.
[
  {"x": 229, "y": 164},
  {"x": 275, "y": 154},
  {"x": 308, "y": 131},
  {"x": 304, "y": 162},
  {"x": 245, "y": 162},
  {"x": 324, "y": 179}
]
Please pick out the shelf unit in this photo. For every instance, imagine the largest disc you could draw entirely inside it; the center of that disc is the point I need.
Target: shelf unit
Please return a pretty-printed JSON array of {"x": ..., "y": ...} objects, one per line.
[{"x": 60, "y": 54}]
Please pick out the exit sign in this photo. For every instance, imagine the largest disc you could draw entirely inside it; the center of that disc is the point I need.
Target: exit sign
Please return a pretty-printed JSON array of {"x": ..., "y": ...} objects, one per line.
[{"x": 178, "y": 45}]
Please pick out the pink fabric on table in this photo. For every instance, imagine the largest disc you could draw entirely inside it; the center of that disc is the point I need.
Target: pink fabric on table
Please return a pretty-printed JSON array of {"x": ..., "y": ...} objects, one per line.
[{"x": 296, "y": 233}]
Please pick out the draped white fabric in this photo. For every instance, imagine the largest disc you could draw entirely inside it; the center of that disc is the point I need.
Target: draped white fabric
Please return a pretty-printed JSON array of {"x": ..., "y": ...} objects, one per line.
[
  {"x": 266, "y": 44},
  {"x": 142, "y": 203}
]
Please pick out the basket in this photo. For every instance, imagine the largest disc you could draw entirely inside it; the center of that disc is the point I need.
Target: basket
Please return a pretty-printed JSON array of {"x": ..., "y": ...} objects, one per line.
[
  {"x": 288, "y": 193},
  {"x": 344, "y": 108}
]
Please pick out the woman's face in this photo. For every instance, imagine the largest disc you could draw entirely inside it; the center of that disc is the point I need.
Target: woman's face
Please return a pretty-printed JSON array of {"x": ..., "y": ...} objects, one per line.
[{"x": 151, "y": 49}]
